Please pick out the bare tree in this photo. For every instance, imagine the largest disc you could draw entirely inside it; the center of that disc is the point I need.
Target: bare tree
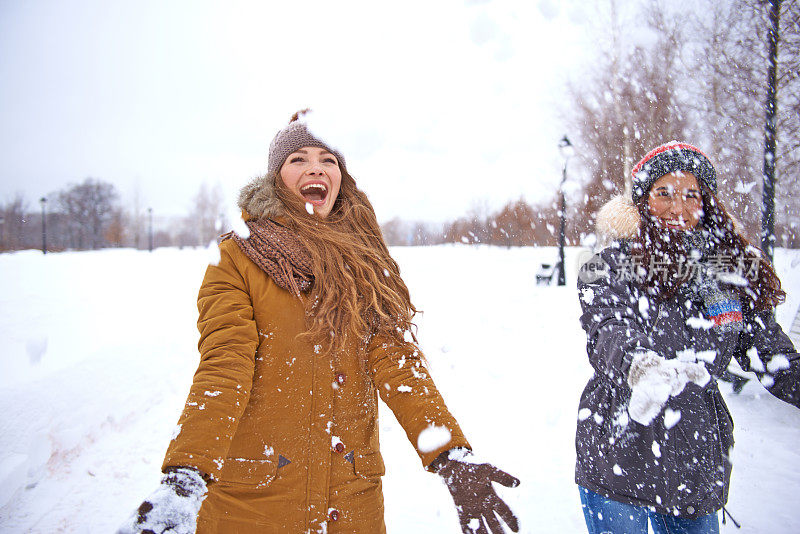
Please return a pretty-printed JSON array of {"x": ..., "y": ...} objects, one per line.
[
  {"x": 136, "y": 220},
  {"x": 12, "y": 228},
  {"x": 88, "y": 208},
  {"x": 728, "y": 103},
  {"x": 206, "y": 220},
  {"x": 116, "y": 232},
  {"x": 395, "y": 232},
  {"x": 630, "y": 104},
  {"x": 473, "y": 228},
  {"x": 399, "y": 232},
  {"x": 513, "y": 225},
  {"x": 469, "y": 229}
]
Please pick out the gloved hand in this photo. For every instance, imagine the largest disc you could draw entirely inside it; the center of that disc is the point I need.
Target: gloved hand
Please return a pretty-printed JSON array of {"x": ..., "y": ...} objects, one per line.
[
  {"x": 172, "y": 507},
  {"x": 470, "y": 485},
  {"x": 654, "y": 379}
]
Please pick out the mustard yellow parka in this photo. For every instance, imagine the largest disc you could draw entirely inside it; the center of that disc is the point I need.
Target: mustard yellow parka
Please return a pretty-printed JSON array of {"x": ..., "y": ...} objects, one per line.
[{"x": 289, "y": 436}]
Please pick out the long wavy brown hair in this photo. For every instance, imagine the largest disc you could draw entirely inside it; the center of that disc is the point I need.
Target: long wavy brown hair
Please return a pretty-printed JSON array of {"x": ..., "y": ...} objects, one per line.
[
  {"x": 665, "y": 247},
  {"x": 357, "y": 292}
]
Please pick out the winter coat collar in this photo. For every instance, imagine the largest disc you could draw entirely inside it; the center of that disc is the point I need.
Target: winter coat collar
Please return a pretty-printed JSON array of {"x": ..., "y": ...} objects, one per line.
[
  {"x": 618, "y": 219},
  {"x": 258, "y": 199}
]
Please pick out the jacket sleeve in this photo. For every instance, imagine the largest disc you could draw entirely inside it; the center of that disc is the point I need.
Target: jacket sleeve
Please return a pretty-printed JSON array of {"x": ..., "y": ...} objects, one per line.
[
  {"x": 222, "y": 382},
  {"x": 405, "y": 385},
  {"x": 614, "y": 317},
  {"x": 767, "y": 351}
]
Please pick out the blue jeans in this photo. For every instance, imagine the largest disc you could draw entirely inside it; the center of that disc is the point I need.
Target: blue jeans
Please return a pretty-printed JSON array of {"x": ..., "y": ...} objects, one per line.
[{"x": 604, "y": 515}]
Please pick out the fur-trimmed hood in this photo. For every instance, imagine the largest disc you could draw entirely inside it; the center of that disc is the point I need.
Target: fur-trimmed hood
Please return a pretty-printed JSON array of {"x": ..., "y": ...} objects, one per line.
[
  {"x": 258, "y": 199},
  {"x": 618, "y": 219}
]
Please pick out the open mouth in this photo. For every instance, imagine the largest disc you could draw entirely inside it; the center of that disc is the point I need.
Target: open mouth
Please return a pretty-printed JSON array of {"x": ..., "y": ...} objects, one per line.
[
  {"x": 674, "y": 223},
  {"x": 315, "y": 193}
]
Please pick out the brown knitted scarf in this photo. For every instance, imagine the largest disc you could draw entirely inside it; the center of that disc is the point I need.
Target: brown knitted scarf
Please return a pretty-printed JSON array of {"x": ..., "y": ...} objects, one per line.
[{"x": 279, "y": 253}]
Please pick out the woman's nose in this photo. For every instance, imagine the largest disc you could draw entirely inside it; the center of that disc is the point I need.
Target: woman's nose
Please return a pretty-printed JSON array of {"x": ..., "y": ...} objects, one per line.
[
  {"x": 677, "y": 204},
  {"x": 315, "y": 169}
]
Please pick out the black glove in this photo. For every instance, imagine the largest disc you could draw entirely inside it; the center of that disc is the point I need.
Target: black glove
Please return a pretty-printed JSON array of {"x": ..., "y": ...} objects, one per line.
[
  {"x": 172, "y": 507},
  {"x": 470, "y": 485}
]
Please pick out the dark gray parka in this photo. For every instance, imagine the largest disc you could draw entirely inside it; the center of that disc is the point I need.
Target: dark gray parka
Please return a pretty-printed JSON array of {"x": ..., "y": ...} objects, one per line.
[{"x": 679, "y": 464}]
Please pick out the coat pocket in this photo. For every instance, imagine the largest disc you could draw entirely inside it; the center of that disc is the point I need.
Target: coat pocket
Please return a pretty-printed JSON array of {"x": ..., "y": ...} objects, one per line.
[
  {"x": 247, "y": 472},
  {"x": 369, "y": 466}
]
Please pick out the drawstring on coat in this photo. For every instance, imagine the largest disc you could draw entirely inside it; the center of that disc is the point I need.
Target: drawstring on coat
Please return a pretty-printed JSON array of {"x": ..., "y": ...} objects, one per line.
[
  {"x": 724, "y": 512},
  {"x": 719, "y": 439}
]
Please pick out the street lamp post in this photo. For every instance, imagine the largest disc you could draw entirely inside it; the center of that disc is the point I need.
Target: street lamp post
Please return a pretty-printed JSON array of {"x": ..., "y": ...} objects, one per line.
[
  {"x": 567, "y": 151},
  {"x": 150, "y": 236},
  {"x": 43, "y": 201},
  {"x": 770, "y": 128}
]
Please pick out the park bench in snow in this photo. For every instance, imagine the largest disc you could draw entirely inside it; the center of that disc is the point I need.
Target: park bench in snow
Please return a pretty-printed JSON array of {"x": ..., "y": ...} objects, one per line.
[{"x": 546, "y": 274}]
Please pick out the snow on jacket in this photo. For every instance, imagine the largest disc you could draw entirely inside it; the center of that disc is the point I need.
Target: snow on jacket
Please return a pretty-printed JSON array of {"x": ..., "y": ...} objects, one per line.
[
  {"x": 290, "y": 437},
  {"x": 679, "y": 464}
]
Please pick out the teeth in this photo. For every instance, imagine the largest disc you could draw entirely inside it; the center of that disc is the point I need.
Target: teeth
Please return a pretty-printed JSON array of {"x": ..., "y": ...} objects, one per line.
[{"x": 314, "y": 186}]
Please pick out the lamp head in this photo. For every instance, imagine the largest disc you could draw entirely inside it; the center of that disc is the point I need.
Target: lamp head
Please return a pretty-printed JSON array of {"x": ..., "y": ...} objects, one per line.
[{"x": 565, "y": 148}]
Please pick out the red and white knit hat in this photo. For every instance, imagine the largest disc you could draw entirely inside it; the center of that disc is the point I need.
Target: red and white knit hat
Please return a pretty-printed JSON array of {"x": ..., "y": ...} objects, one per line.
[{"x": 671, "y": 157}]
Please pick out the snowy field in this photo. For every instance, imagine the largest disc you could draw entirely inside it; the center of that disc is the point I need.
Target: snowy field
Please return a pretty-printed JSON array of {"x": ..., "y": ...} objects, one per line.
[{"x": 99, "y": 350}]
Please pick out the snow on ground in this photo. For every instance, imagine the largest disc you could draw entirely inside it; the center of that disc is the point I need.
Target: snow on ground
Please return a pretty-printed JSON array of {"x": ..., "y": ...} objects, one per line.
[{"x": 99, "y": 351}]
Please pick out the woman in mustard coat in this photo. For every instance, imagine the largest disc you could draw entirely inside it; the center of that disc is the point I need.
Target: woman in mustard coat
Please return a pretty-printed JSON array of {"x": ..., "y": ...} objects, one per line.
[{"x": 303, "y": 324}]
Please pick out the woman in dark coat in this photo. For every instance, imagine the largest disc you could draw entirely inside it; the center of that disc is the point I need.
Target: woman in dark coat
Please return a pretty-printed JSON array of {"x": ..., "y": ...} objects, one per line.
[{"x": 677, "y": 295}]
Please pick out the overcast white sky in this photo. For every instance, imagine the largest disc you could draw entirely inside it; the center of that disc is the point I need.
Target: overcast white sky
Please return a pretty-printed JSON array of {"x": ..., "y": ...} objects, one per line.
[{"x": 437, "y": 105}]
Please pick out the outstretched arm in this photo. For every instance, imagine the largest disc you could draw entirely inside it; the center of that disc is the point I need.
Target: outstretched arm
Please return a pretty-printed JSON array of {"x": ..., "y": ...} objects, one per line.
[
  {"x": 218, "y": 395},
  {"x": 405, "y": 385},
  {"x": 767, "y": 351}
]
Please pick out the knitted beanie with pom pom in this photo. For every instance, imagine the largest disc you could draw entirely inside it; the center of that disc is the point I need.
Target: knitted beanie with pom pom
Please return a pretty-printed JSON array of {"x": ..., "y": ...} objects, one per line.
[
  {"x": 668, "y": 158},
  {"x": 295, "y": 136}
]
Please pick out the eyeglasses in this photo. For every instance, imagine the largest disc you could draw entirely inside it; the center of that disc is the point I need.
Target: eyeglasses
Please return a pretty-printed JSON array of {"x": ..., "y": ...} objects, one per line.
[{"x": 669, "y": 196}]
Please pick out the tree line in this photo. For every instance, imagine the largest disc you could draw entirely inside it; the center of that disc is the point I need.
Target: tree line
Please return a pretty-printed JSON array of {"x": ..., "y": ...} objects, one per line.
[
  {"x": 698, "y": 73},
  {"x": 516, "y": 224},
  {"x": 90, "y": 215}
]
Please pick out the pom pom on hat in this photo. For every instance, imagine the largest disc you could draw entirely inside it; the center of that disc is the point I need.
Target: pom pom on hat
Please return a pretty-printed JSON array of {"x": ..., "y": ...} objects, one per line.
[
  {"x": 293, "y": 137},
  {"x": 668, "y": 158}
]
